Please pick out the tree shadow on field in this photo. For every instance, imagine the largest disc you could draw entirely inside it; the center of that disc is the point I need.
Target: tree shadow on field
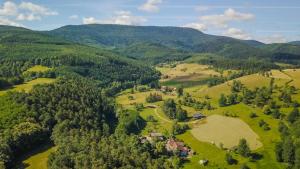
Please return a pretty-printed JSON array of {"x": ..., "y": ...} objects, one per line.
[{"x": 256, "y": 156}]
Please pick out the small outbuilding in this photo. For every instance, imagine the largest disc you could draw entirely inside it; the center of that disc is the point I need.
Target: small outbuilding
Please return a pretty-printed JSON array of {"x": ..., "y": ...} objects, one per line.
[
  {"x": 203, "y": 162},
  {"x": 198, "y": 116}
]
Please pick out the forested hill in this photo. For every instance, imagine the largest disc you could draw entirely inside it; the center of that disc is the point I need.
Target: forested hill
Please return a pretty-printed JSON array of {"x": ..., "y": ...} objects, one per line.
[
  {"x": 181, "y": 40},
  {"x": 295, "y": 42},
  {"x": 22, "y": 48},
  {"x": 178, "y": 38}
]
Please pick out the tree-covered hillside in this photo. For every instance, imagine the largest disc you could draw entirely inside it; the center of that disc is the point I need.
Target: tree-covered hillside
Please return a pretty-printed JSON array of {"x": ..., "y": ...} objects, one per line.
[
  {"x": 185, "y": 39},
  {"x": 177, "y": 39},
  {"x": 21, "y": 48},
  {"x": 76, "y": 112}
]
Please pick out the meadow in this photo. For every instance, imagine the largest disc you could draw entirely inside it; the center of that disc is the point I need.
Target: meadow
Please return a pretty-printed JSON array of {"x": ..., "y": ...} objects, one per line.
[
  {"x": 38, "y": 68},
  {"x": 205, "y": 136}
]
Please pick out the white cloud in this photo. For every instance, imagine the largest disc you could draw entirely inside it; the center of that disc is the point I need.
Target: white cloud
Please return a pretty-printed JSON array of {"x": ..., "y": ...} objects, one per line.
[
  {"x": 28, "y": 17},
  {"x": 121, "y": 18},
  {"x": 36, "y": 9},
  {"x": 90, "y": 20},
  {"x": 8, "y": 9},
  {"x": 74, "y": 17},
  {"x": 5, "y": 21},
  {"x": 275, "y": 38},
  {"x": 151, "y": 6},
  {"x": 11, "y": 12},
  {"x": 237, "y": 33},
  {"x": 198, "y": 26},
  {"x": 222, "y": 20}
]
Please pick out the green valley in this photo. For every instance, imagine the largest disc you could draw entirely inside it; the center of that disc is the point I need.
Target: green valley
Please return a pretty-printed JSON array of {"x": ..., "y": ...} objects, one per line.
[{"x": 119, "y": 96}]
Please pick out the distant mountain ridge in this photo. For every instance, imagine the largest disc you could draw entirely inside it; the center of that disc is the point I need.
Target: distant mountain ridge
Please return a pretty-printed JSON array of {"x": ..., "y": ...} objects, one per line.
[
  {"x": 295, "y": 42},
  {"x": 183, "y": 40},
  {"x": 177, "y": 38},
  {"x": 156, "y": 44}
]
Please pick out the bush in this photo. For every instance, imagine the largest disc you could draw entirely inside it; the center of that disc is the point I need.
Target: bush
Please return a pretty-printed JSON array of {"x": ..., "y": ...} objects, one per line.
[
  {"x": 244, "y": 166},
  {"x": 253, "y": 115},
  {"x": 151, "y": 118},
  {"x": 130, "y": 98},
  {"x": 153, "y": 98},
  {"x": 229, "y": 159}
]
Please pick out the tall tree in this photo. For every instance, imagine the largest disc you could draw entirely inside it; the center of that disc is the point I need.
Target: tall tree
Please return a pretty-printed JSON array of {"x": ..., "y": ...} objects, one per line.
[
  {"x": 243, "y": 148},
  {"x": 222, "y": 101}
]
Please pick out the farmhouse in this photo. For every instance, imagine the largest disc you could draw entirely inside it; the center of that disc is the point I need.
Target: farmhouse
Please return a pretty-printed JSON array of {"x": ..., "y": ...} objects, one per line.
[
  {"x": 173, "y": 145},
  {"x": 168, "y": 89},
  {"x": 198, "y": 115},
  {"x": 152, "y": 137}
]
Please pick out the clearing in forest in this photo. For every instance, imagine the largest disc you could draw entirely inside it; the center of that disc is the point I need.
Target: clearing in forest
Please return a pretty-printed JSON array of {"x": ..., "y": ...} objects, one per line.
[
  {"x": 28, "y": 85},
  {"x": 187, "y": 72},
  {"x": 38, "y": 68},
  {"x": 228, "y": 131}
]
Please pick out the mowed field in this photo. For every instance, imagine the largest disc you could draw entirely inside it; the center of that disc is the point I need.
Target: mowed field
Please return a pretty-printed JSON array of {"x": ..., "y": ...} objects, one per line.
[
  {"x": 186, "y": 74},
  {"x": 295, "y": 75},
  {"x": 228, "y": 131}
]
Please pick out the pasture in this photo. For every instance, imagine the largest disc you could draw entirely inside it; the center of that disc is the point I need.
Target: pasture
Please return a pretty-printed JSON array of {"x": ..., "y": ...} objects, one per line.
[
  {"x": 218, "y": 128},
  {"x": 225, "y": 130},
  {"x": 186, "y": 74},
  {"x": 295, "y": 75}
]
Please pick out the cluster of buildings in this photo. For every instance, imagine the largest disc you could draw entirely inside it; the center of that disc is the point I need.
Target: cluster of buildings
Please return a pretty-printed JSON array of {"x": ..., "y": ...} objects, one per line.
[
  {"x": 167, "y": 89},
  {"x": 172, "y": 145}
]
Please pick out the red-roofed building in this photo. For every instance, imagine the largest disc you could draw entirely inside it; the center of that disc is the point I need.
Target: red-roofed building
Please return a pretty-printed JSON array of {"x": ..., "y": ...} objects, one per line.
[{"x": 173, "y": 145}]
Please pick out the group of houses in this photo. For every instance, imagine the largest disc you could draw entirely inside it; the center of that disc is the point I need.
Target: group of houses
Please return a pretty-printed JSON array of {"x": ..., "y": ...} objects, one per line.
[
  {"x": 167, "y": 89},
  {"x": 172, "y": 145}
]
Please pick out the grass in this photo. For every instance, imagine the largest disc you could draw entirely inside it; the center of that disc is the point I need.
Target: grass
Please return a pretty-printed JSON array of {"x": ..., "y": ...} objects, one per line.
[
  {"x": 295, "y": 75},
  {"x": 138, "y": 97},
  {"x": 37, "y": 159},
  {"x": 186, "y": 74},
  {"x": 38, "y": 68},
  {"x": 226, "y": 130},
  {"x": 28, "y": 85},
  {"x": 158, "y": 126},
  {"x": 203, "y": 150},
  {"x": 206, "y": 150}
]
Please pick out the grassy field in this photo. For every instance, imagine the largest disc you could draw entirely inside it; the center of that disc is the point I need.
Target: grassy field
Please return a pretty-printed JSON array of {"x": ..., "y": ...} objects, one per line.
[
  {"x": 38, "y": 68},
  {"x": 227, "y": 131},
  {"x": 186, "y": 74},
  {"x": 207, "y": 151},
  {"x": 28, "y": 85},
  {"x": 138, "y": 97},
  {"x": 37, "y": 159},
  {"x": 261, "y": 141},
  {"x": 295, "y": 75}
]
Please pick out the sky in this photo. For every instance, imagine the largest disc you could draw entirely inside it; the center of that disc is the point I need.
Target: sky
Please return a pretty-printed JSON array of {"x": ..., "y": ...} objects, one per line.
[{"x": 269, "y": 21}]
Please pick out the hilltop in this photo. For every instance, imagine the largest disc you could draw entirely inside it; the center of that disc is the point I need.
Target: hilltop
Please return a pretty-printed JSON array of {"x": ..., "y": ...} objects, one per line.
[{"x": 183, "y": 40}]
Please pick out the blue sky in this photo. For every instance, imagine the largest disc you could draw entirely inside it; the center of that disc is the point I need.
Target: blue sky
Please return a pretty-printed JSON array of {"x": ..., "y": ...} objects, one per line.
[{"x": 263, "y": 20}]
